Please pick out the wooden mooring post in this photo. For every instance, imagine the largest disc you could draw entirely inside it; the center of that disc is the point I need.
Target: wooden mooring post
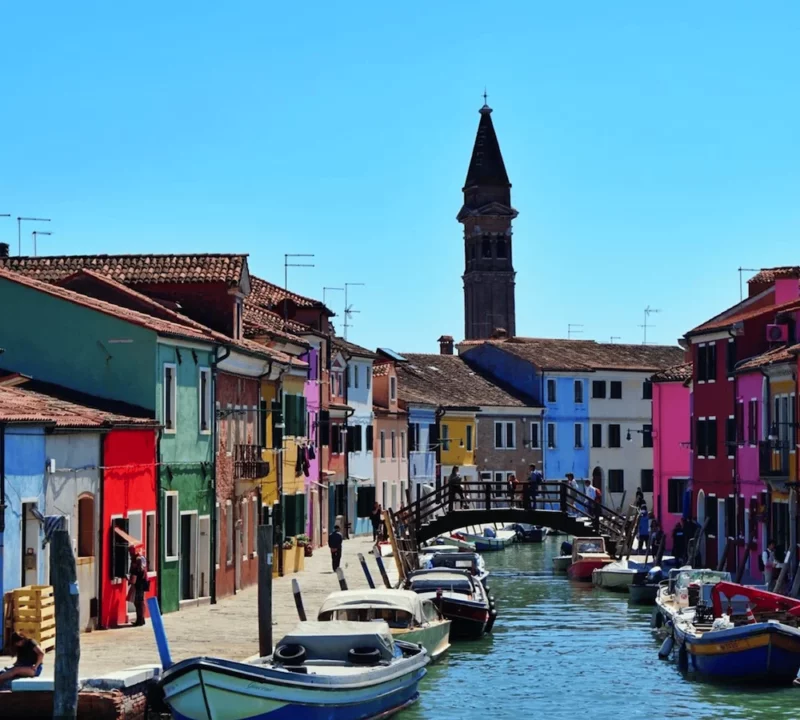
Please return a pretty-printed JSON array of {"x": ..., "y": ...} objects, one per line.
[
  {"x": 265, "y": 559},
  {"x": 68, "y": 638}
]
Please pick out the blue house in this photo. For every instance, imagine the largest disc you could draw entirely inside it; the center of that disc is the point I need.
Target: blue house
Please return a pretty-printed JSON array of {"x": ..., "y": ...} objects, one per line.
[{"x": 546, "y": 372}]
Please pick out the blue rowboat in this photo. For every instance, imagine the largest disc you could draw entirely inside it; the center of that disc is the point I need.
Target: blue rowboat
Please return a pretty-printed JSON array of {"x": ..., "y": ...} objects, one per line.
[{"x": 321, "y": 671}]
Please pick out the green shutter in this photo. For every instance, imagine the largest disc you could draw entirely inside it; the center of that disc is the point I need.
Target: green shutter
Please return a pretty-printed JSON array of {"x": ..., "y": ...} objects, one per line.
[
  {"x": 300, "y": 513},
  {"x": 302, "y": 413}
]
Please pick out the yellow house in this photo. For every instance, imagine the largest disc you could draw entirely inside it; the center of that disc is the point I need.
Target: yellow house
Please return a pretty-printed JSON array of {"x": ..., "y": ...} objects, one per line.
[{"x": 457, "y": 436}]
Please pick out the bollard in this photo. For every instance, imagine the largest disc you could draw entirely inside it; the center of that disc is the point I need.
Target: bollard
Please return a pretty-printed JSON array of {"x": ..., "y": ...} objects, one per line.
[
  {"x": 382, "y": 568},
  {"x": 298, "y": 600},
  {"x": 342, "y": 581},
  {"x": 158, "y": 630},
  {"x": 366, "y": 570}
]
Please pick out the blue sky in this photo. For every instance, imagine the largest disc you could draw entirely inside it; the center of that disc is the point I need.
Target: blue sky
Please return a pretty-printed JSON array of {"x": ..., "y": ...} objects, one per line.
[{"x": 652, "y": 147}]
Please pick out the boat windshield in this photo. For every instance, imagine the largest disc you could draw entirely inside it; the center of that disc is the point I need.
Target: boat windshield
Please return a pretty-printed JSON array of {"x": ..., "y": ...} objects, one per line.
[
  {"x": 701, "y": 577},
  {"x": 395, "y": 619},
  {"x": 590, "y": 546}
]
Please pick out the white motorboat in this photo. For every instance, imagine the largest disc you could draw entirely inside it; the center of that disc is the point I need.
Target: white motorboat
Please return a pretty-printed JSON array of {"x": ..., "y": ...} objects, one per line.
[{"x": 619, "y": 574}]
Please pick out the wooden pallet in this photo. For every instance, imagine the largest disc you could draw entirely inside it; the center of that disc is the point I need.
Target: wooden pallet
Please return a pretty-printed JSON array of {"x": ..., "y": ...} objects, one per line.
[{"x": 31, "y": 610}]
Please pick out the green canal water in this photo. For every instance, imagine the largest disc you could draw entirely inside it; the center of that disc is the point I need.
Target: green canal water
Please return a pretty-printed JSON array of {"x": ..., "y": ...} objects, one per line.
[{"x": 562, "y": 651}]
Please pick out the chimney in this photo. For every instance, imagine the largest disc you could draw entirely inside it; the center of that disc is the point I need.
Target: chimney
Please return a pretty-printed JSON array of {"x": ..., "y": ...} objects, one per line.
[
  {"x": 3, "y": 250},
  {"x": 446, "y": 345}
]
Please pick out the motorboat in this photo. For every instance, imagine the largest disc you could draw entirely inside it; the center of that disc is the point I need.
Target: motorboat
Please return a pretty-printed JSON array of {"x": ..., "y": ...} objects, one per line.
[
  {"x": 320, "y": 671},
  {"x": 425, "y": 553},
  {"x": 490, "y": 540},
  {"x": 471, "y": 562},
  {"x": 643, "y": 590},
  {"x": 458, "y": 540},
  {"x": 758, "y": 642},
  {"x": 682, "y": 590},
  {"x": 411, "y": 617},
  {"x": 564, "y": 560},
  {"x": 588, "y": 554},
  {"x": 620, "y": 574},
  {"x": 459, "y": 596},
  {"x": 526, "y": 533}
]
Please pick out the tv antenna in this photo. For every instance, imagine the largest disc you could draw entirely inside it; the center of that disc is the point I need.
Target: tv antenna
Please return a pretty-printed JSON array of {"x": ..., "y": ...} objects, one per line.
[
  {"x": 35, "y": 234},
  {"x": 286, "y": 266},
  {"x": 20, "y": 220},
  {"x": 648, "y": 311},
  {"x": 324, "y": 292},
  {"x": 741, "y": 288},
  {"x": 573, "y": 329},
  {"x": 348, "y": 309},
  {"x": 616, "y": 337}
]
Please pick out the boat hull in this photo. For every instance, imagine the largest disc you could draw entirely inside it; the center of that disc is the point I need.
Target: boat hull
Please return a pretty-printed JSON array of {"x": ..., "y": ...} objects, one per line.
[
  {"x": 562, "y": 563},
  {"x": 211, "y": 689},
  {"x": 469, "y": 618},
  {"x": 764, "y": 651},
  {"x": 456, "y": 542},
  {"x": 642, "y": 594},
  {"x": 618, "y": 581},
  {"x": 582, "y": 570},
  {"x": 435, "y": 638}
]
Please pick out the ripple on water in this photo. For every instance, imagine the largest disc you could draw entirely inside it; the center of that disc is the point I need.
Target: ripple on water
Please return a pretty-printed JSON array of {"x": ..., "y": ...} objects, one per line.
[{"x": 568, "y": 652}]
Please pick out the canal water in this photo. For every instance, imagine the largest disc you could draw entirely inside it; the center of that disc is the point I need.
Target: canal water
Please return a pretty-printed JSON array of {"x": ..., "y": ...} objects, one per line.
[{"x": 560, "y": 651}]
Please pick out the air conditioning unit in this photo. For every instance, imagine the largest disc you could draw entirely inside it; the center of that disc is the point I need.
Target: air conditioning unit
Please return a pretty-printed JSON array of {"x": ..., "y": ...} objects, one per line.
[{"x": 777, "y": 333}]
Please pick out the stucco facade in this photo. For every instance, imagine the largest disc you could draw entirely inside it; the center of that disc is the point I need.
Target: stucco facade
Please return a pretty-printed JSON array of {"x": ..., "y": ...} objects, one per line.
[
  {"x": 390, "y": 436},
  {"x": 509, "y": 440},
  {"x": 422, "y": 434},
  {"x": 562, "y": 413},
  {"x": 360, "y": 461}
]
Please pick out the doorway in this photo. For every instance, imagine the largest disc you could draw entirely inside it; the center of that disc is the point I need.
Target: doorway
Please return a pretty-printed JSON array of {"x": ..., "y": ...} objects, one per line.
[
  {"x": 30, "y": 545},
  {"x": 188, "y": 556},
  {"x": 204, "y": 556}
]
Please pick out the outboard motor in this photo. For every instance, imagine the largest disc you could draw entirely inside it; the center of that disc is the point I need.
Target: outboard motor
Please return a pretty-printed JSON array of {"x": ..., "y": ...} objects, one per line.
[
  {"x": 654, "y": 576},
  {"x": 566, "y": 548},
  {"x": 489, "y": 533}
]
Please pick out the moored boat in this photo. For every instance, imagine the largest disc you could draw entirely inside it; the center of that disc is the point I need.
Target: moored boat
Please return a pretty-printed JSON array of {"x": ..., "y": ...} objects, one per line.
[
  {"x": 320, "y": 671},
  {"x": 471, "y": 562},
  {"x": 459, "y": 597},
  {"x": 588, "y": 554},
  {"x": 526, "y": 533},
  {"x": 620, "y": 574},
  {"x": 490, "y": 540},
  {"x": 674, "y": 596},
  {"x": 564, "y": 560},
  {"x": 411, "y": 617},
  {"x": 456, "y": 539}
]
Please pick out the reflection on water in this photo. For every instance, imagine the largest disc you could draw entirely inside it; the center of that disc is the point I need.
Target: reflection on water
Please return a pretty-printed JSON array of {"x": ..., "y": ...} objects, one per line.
[{"x": 567, "y": 652}]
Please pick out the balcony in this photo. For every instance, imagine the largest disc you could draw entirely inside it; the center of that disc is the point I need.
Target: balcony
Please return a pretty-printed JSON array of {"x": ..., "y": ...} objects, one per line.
[
  {"x": 247, "y": 463},
  {"x": 773, "y": 459},
  {"x": 422, "y": 466}
]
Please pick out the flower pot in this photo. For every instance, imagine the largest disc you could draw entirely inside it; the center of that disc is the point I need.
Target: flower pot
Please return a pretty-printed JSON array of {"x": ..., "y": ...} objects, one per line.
[
  {"x": 288, "y": 561},
  {"x": 299, "y": 559}
]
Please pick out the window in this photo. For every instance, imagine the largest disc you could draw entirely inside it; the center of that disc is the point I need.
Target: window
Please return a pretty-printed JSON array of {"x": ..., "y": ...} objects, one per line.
[
  {"x": 86, "y": 526},
  {"x": 675, "y": 490},
  {"x": 205, "y": 400},
  {"x": 294, "y": 415},
  {"x": 504, "y": 435},
  {"x": 500, "y": 248},
  {"x": 646, "y": 480},
  {"x": 356, "y": 373},
  {"x": 647, "y": 437},
  {"x": 730, "y": 356},
  {"x": 707, "y": 362},
  {"x": 647, "y": 390},
  {"x": 403, "y": 441},
  {"x": 151, "y": 542},
  {"x": 229, "y": 532},
  {"x": 392, "y": 389},
  {"x": 730, "y": 436},
  {"x": 616, "y": 390},
  {"x": 706, "y": 437},
  {"x": 597, "y": 435},
  {"x": 740, "y": 434},
  {"x": 383, "y": 445},
  {"x": 171, "y": 520},
  {"x": 394, "y": 445},
  {"x": 369, "y": 377},
  {"x": 551, "y": 435},
  {"x": 169, "y": 398},
  {"x": 217, "y": 534},
  {"x": 413, "y": 437},
  {"x": 578, "y": 389},
  {"x": 469, "y": 438},
  {"x": 712, "y": 437},
  {"x": 486, "y": 248},
  {"x": 336, "y": 439},
  {"x": 551, "y": 390},
  {"x": 616, "y": 481},
  {"x": 354, "y": 438},
  {"x": 135, "y": 525},
  {"x": 535, "y": 437},
  {"x": 445, "y": 437},
  {"x": 119, "y": 554},
  {"x": 598, "y": 389},
  {"x": 578, "y": 435},
  {"x": 370, "y": 440},
  {"x": 614, "y": 436}
]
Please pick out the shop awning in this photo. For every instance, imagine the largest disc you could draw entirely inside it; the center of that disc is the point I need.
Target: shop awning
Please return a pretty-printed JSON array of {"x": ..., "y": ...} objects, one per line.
[{"x": 127, "y": 538}]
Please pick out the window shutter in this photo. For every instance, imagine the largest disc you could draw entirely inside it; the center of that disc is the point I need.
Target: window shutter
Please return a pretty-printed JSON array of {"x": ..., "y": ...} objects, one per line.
[
  {"x": 302, "y": 409},
  {"x": 370, "y": 438},
  {"x": 277, "y": 419},
  {"x": 433, "y": 437},
  {"x": 262, "y": 424},
  {"x": 498, "y": 435},
  {"x": 325, "y": 427},
  {"x": 711, "y": 440},
  {"x": 646, "y": 480}
]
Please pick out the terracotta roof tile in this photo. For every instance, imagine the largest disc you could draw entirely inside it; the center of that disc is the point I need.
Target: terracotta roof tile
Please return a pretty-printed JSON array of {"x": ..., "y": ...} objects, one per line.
[
  {"x": 771, "y": 357},
  {"x": 349, "y": 348},
  {"x": 448, "y": 380},
  {"x": 676, "y": 373},
  {"x": 135, "y": 269},
  {"x": 380, "y": 370},
  {"x": 258, "y": 320},
  {"x": 727, "y": 319},
  {"x": 769, "y": 275},
  {"x": 24, "y": 405},
  {"x": 268, "y": 295}
]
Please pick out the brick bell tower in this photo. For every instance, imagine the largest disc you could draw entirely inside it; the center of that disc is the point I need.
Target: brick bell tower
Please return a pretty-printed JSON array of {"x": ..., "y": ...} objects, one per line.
[{"x": 486, "y": 216}]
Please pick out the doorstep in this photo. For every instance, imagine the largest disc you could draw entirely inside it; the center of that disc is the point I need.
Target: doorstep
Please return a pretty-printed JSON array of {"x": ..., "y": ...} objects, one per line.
[{"x": 195, "y": 602}]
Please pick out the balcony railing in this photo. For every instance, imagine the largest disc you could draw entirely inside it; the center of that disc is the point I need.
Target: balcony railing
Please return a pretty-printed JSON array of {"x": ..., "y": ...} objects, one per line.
[
  {"x": 773, "y": 459},
  {"x": 247, "y": 463}
]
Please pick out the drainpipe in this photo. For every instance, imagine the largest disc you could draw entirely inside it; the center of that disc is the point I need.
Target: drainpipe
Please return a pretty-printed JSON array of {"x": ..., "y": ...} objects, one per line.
[{"x": 214, "y": 519}]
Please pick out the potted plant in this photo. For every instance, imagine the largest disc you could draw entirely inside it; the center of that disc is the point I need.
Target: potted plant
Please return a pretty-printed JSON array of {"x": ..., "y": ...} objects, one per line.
[
  {"x": 288, "y": 555},
  {"x": 303, "y": 551}
]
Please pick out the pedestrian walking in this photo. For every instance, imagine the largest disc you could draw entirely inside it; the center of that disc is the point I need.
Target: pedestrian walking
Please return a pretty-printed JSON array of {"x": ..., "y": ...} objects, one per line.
[
  {"x": 376, "y": 516},
  {"x": 454, "y": 481},
  {"x": 335, "y": 541}
]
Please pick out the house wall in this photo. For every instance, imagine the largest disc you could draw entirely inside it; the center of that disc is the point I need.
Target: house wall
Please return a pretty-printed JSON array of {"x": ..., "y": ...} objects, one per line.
[
  {"x": 239, "y": 428},
  {"x": 671, "y": 434},
  {"x": 391, "y": 474},
  {"x": 361, "y": 465},
  {"x": 129, "y": 485},
  {"x": 453, "y": 453},
  {"x": 632, "y": 412},
  {"x": 269, "y": 484},
  {"x": 24, "y": 478},
  {"x": 566, "y": 413},
  {"x": 517, "y": 459},
  {"x": 311, "y": 390},
  {"x": 86, "y": 360},
  {"x": 186, "y": 456},
  {"x": 77, "y": 459}
]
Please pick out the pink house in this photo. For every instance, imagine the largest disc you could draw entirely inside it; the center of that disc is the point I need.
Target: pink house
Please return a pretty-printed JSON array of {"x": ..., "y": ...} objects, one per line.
[{"x": 671, "y": 452}]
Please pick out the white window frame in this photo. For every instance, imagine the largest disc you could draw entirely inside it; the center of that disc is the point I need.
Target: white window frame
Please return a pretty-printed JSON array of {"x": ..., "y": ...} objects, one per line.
[
  {"x": 152, "y": 566},
  {"x": 204, "y": 371},
  {"x": 538, "y": 445},
  {"x": 176, "y": 518},
  {"x": 255, "y": 517},
  {"x": 583, "y": 439},
  {"x": 217, "y": 537},
  {"x": 555, "y": 436},
  {"x": 229, "y": 528},
  {"x": 504, "y": 435},
  {"x": 174, "y": 398},
  {"x": 392, "y": 388}
]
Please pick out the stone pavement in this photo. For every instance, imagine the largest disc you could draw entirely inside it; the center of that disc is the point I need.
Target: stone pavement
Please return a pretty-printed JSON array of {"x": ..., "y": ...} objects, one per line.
[{"x": 229, "y": 628}]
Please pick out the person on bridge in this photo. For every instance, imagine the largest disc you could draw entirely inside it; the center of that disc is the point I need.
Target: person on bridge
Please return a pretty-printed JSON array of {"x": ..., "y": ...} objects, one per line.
[
  {"x": 535, "y": 481},
  {"x": 456, "y": 488},
  {"x": 512, "y": 489}
]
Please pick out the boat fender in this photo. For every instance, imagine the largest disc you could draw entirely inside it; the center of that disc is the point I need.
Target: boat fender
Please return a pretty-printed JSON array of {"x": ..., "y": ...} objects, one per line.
[
  {"x": 290, "y": 655},
  {"x": 363, "y": 656},
  {"x": 666, "y": 648}
]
